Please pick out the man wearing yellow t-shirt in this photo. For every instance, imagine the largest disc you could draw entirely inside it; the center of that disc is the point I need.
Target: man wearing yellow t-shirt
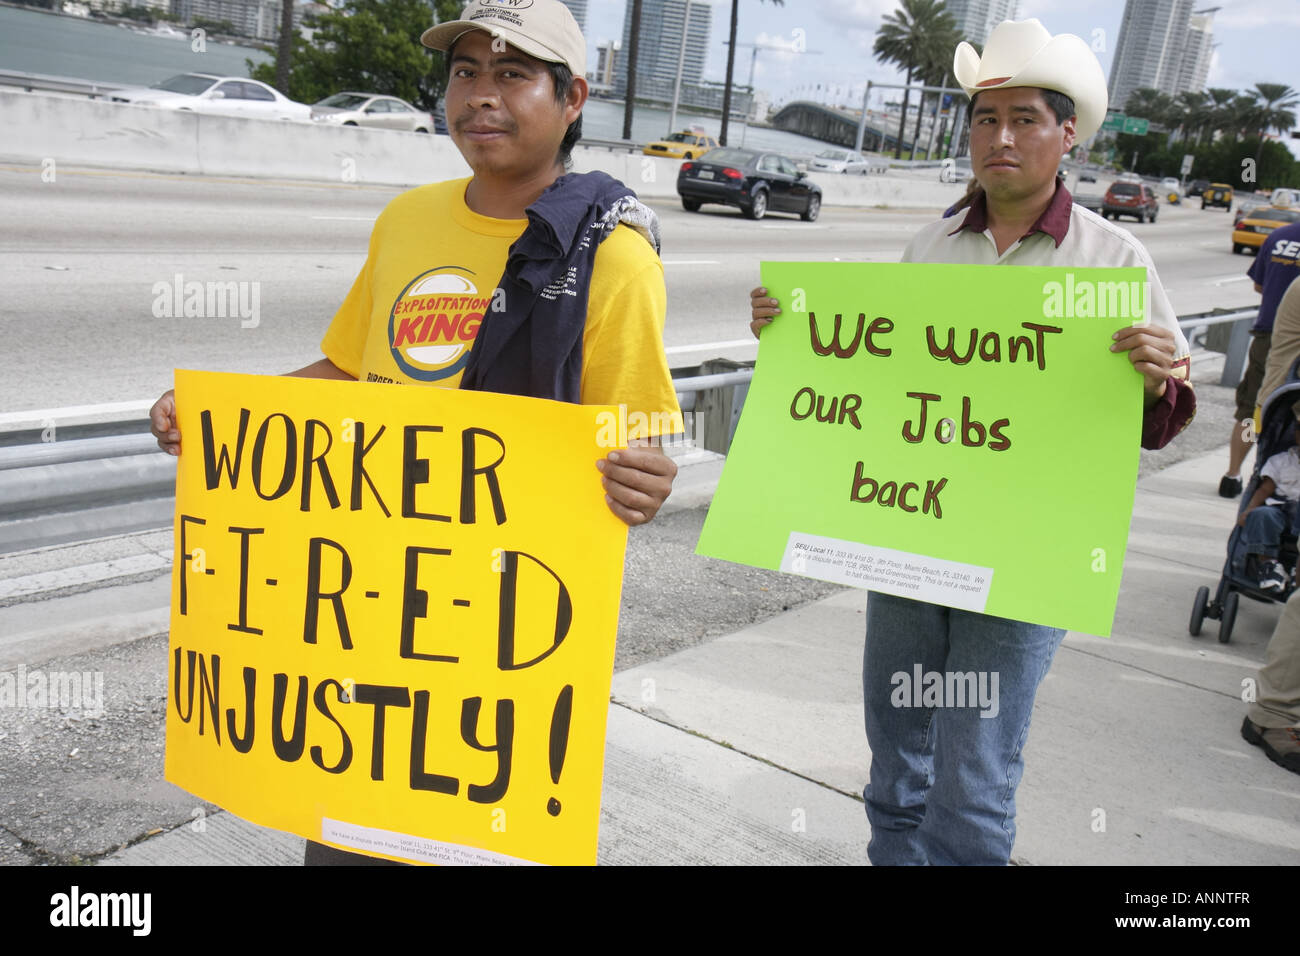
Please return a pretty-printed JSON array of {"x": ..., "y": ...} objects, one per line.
[
  {"x": 429, "y": 286},
  {"x": 520, "y": 279}
]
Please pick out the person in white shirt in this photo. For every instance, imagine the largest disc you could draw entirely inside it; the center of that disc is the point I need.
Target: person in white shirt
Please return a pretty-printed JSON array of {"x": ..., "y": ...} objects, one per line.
[
  {"x": 1268, "y": 516},
  {"x": 943, "y": 780}
]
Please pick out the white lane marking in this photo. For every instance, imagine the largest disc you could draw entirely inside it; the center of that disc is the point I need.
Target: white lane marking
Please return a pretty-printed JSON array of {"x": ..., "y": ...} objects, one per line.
[
  {"x": 346, "y": 218},
  {"x": 1226, "y": 279},
  {"x": 704, "y": 346},
  {"x": 692, "y": 262},
  {"x": 85, "y": 574},
  {"x": 71, "y": 411}
]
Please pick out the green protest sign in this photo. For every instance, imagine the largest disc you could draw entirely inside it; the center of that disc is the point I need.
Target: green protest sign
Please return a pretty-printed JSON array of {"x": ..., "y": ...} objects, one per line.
[{"x": 952, "y": 433}]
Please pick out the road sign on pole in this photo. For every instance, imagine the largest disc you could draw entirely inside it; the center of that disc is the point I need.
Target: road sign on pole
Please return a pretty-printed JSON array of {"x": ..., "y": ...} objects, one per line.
[
  {"x": 1136, "y": 125},
  {"x": 1113, "y": 122},
  {"x": 1187, "y": 163}
]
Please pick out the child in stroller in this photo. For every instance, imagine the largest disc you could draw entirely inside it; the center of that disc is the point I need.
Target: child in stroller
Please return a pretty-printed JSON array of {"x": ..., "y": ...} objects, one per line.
[
  {"x": 1271, "y": 513},
  {"x": 1262, "y": 546}
]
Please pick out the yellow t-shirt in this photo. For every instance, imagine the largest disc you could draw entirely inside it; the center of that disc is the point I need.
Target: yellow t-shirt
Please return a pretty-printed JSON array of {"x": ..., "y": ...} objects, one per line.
[{"x": 429, "y": 278}]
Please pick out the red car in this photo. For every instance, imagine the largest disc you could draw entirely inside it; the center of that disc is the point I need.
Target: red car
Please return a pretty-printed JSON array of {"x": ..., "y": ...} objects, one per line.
[{"x": 1130, "y": 199}]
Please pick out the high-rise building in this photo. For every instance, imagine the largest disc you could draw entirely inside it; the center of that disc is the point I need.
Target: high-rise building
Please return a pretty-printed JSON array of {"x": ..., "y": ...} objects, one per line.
[
  {"x": 1163, "y": 45},
  {"x": 660, "y": 47},
  {"x": 1197, "y": 51},
  {"x": 607, "y": 63},
  {"x": 259, "y": 19},
  {"x": 579, "y": 10},
  {"x": 977, "y": 18}
]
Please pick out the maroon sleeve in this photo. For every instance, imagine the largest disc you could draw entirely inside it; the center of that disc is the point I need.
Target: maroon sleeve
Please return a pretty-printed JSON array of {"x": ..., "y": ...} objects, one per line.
[{"x": 1170, "y": 415}]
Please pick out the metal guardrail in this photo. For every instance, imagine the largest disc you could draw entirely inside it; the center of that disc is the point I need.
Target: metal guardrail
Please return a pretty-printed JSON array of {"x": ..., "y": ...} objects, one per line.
[
  {"x": 37, "y": 454},
  {"x": 1197, "y": 322},
  {"x": 82, "y": 487},
  {"x": 1234, "y": 361},
  {"x": 44, "y": 83},
  {"x": 612, "y": 144}
]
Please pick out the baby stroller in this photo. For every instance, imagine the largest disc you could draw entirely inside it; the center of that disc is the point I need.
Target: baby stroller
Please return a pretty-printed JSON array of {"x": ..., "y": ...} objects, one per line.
[{"x": 1276, "y": 434}]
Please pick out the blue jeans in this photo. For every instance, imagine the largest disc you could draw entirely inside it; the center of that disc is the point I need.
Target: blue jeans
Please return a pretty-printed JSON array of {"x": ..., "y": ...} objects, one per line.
[
  {"x": 1263, "y": 530},
  {"x": 943, "y": 777}
]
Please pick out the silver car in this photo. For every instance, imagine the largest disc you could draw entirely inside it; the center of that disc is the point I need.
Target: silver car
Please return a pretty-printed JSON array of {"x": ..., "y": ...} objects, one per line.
[
  {"x": 217, "y": 95},
  {"x": 372, "y": 110},
  {"x": 840, "y": 161}
]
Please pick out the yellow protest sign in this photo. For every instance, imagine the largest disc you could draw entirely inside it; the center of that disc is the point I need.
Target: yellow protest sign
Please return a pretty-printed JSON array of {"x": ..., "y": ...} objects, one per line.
[{"x": 393, "y": 615}]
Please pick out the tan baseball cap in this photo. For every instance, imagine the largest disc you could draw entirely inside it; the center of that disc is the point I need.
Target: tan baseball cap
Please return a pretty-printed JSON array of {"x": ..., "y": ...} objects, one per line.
[{"x": 544, "y": 29}]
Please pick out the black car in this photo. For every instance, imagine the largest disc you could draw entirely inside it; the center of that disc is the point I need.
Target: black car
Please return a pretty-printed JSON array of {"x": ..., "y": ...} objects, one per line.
[
  {"x": 756, "y": 181},
  {"x": 1197, "y": 186}
]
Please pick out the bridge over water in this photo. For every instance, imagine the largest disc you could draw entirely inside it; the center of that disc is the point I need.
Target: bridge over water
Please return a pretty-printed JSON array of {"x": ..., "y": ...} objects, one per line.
[{"x": 835, "y": 125}]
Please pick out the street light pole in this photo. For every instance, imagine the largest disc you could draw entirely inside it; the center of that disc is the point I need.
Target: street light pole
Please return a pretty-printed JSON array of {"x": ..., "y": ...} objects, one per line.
[
  {"x": 862, "y": 123},
  {"x": 681, "y": 59},
  {"x": 753, "y": 59}
]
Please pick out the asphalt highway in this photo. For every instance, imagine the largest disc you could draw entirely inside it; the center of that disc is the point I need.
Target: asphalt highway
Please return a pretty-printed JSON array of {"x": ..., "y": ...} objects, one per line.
[{"x": 81, "y": 260}]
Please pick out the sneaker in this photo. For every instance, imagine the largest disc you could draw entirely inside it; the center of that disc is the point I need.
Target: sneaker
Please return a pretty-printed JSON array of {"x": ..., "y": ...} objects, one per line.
[
  {"x": 1229, "y": 487},
  {"x": 1282, "y": 744},
  {"x": 1272, "y": 577}
]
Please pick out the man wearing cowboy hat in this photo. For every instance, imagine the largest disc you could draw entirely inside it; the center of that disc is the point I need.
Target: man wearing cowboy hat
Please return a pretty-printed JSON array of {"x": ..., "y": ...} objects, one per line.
[{"x": 943, "y": 780}]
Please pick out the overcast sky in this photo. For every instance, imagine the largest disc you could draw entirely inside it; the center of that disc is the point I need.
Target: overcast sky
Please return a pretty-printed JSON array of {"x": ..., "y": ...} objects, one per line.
[{"x": 1258, "y": 40}]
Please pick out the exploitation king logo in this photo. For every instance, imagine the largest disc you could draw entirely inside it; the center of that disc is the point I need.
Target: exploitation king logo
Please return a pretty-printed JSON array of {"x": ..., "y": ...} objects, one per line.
[{"x": 433, "y": 323}]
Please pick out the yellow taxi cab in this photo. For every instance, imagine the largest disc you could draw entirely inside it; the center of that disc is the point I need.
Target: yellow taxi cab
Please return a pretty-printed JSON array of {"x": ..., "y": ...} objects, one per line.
[
  {"x": 688, "y": 144},
  {"x": 1249, "y": 234}
]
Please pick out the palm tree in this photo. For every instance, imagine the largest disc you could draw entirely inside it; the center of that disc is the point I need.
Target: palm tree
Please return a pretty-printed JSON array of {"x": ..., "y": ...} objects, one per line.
[
  {"x": 1280, "y": 102},
  {"x": 1195, "y": 110},
  {"x": 731, "y": 63},
  {"x": 1277, "y": 110},
  {"x": 1151, "y": 104},
  {"x": 912, "y": 38},
  {"x": 937, "y": 71},
  {"x": 1244, "y": 115},
  {"x": 1220, "y": 110}
]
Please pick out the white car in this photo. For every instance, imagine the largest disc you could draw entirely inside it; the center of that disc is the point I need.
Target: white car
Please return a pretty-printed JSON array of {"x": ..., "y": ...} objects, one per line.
[
  {"x": 840, "y": 161},
  {"x": 1170, "y": 185},
  {"x": 955, "y": 170},
  {"x": 217, "y": 95},
  {"x": 1285, "y": 197},
  {"x": 373, "y": 110}
]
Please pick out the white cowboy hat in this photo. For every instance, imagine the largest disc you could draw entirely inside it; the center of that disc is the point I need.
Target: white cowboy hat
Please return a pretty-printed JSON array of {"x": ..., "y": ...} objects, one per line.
[{"x": 1023, "y": 53}]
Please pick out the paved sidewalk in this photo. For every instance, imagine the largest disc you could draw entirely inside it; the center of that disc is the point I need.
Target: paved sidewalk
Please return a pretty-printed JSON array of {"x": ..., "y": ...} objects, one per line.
[{"x": 750, "y": 748}]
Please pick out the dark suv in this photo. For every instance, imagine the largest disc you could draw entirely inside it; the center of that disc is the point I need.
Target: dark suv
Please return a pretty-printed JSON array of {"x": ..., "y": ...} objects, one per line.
[
  {"x": 1130, "y": 199},
  {"x": 1217, "y": 194}
]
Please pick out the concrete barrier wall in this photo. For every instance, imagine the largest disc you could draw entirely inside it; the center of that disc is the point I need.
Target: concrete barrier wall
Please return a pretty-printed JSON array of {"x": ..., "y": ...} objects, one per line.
[{"x": 82, "y": 132}]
